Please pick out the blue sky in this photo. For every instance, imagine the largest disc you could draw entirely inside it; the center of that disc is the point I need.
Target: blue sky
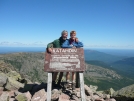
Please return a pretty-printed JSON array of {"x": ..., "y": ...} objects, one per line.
[{"x": 98, "y": 23}]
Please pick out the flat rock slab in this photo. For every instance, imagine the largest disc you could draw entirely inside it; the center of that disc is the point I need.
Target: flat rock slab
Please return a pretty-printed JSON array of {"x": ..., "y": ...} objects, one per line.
[
  {"x": 39, "y": 96},
  {"x": 64, "y": 97}
]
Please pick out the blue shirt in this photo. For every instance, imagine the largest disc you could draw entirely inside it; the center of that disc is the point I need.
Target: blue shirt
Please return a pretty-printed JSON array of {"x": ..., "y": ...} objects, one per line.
[{"x": 67, "y": 44}]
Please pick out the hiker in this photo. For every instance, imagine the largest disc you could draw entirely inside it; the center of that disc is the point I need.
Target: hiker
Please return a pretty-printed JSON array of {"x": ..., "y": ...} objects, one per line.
[
  {"x": 73, "y": 42},
  {"x": 57, "y": 44}
]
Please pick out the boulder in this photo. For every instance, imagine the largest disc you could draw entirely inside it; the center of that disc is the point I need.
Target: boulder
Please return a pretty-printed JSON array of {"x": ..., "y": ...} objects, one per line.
[
  {"x": 28, "y": 95},
  {"x": 88, "y": 98},
  {"x": 125, "y": 94},
  {"x": 55, "y": 94},
  {"x": 21, "y": 97},
  {"x": 100, "y": 94},
  {"x": 17, "y": 93},
  {"x": 109, "y": 91},
  {"x": 4, "y": 96},
  {"x": 1, "y": 88},
  {"x": 88, "y": 91},
  {"x": 1, "y": 92},
  {"x": 75, "y": 98},
  {"x": 11, "y": 99},
  {"x": 12, "y": 84},
  {"x": 14, "y": 75},
  {"x": 39, "y": 96},
  {"x": 106, "y": 96},
  {"x": 64, "y": 97},
  {"x": 78, "y": 94},
  {"x": 11, "y": 94},
  {"x": 93, "y": 88},
  {"x": 96, "y": 97},
  {"x": 3, "y": 79}
]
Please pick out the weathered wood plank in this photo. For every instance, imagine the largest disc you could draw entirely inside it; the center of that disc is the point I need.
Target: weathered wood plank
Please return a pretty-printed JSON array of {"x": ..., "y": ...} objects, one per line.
[
  {"x": 82, "y": 87},
  {"x": 65, "y": 60},
  {"x": 49, "y": 86}
]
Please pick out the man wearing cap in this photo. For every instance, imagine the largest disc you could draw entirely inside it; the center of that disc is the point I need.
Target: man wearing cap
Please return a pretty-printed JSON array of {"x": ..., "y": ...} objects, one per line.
[{"x": 57, "y": 44}]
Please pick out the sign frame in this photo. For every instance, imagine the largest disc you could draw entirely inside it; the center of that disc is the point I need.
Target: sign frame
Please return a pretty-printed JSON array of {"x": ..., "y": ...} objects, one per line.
[{"x": 65, "y": 60}]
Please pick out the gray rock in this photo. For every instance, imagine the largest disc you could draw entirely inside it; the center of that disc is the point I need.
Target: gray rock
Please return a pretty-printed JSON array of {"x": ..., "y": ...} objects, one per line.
[
  {"x": 96, "y": 97},
  {"x": 3, "y": 79},
  {"x": 88, "y": 91},
  {"x": 28, "y": 95},
  {"x": 93, "y": 88},
  {"x": 64, "y": 97},
  {"x": 76, "y": 98},
  {"x": 11, "y": 99},
  {"x": 88, "y": 98},
  {"x": 14, "y": 75},
  {"x": 100, "y": 94},
  {"x": 106, "y": 96},
  {"x": 55, "y": 94},
  {"x": 39, "y": 96},
  {"x": 4, "y": 96},
  {"x": 124, "y": 94},
  {"x": 17, "y": 93},
  {"x": 21, "y": 97},
  {"x": 12, "y": 84},
  {"x": 109, "y": 91},
  {"x": 1, "y": 88},
  {"x": 1, "y": 93},
  {"x": 78, "y": 94}
]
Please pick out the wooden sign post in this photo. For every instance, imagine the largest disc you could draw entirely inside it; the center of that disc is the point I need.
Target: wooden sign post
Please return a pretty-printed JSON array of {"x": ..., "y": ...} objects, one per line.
[{"x": 65, "y": 60}]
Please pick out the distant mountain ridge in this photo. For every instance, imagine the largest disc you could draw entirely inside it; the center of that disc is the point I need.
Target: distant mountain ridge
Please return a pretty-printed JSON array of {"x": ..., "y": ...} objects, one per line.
[
  {"x": 126, "y": 66},
  {"x": 126, "y": 61},
  {"x": 100, "y": 56}
]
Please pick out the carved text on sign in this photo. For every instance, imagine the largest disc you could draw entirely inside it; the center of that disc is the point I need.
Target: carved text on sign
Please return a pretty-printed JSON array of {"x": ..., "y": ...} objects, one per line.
[{"x": 65, "y": 59}]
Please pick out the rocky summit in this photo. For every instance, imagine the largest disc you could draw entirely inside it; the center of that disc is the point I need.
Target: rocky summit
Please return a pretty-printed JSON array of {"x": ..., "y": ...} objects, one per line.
[{"x": 16, "y": 87}]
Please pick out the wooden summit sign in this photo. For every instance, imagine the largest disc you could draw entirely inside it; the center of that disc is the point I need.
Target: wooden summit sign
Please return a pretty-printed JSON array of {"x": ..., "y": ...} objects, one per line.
[{"x": 65, "y": 59}]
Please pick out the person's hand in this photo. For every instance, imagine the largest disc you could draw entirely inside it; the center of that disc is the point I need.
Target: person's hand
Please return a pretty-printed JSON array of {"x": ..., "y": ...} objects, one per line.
[
  {"x": 76, "y": 40},
  {"x": 50, "y": 50}
]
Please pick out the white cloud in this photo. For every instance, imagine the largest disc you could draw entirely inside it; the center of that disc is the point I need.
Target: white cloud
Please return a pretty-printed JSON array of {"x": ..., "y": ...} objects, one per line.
[{"x": 19, "y": 44}]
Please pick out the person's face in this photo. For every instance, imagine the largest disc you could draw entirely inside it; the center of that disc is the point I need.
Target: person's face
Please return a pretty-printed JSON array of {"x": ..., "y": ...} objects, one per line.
[
  {"x": 64, "y": 36},
  {"x": 73, "y": 36}
]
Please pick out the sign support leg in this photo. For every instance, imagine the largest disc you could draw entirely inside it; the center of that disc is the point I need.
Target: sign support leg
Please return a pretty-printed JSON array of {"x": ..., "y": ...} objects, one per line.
[
  {"x": 77, "y": 80},
  {"x": 82, "y": 90},
  {"x": 49, "y": 86}
]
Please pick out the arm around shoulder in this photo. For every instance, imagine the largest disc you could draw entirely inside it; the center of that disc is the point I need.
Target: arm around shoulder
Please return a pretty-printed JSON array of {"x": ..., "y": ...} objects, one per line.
[
  {"x": 79, "y": 44},
  {"x": 66, "y": 44}
]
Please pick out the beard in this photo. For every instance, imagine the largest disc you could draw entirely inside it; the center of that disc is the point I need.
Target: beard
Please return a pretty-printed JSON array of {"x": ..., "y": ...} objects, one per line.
[{"x": 64, "y": 38}]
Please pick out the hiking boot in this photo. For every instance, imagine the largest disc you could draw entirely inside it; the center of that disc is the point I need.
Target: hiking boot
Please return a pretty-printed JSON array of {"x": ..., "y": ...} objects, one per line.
[{"x": 73, "y": 86}]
